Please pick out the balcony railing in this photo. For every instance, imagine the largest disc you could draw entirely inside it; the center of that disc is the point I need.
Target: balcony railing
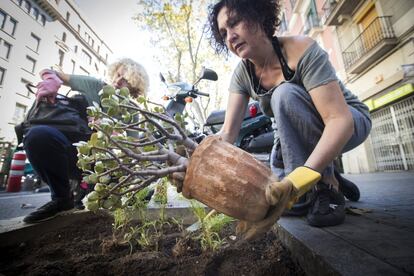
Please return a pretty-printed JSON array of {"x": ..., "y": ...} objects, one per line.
[{"x": 376, "y": 39}]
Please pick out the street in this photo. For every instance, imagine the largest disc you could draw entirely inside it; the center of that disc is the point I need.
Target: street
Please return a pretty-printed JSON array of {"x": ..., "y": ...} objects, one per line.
[{"x": 11, "y": 203}]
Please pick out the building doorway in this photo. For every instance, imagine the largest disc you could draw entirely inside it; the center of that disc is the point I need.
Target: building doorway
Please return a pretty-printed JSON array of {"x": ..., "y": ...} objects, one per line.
[{"x": 392, "y": 136}]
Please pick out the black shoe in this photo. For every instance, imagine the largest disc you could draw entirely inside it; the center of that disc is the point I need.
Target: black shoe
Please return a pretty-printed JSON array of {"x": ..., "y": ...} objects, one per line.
[
  {"x": 301, "y": 207},
  {"x": 328, "y": 207},
  {"x": 49, "y": 210},
  {"x": 348, "y": 188}
]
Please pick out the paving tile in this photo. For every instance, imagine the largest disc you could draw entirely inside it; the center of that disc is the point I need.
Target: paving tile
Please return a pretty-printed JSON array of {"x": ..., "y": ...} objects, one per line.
[
  {"x": 406, "y": 263},
  {"x": 322, "y": 253},
  {"x": 388, "y": 248},
  {"x": 359, "y": 228}
]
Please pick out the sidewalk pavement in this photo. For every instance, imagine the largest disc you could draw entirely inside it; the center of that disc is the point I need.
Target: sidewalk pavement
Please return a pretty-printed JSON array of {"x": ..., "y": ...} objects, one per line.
[{"x": 379, "y": 241}]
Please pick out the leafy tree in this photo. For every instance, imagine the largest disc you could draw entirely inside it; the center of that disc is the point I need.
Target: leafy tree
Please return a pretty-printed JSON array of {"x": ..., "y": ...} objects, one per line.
[{"x": 179, "y": 31}]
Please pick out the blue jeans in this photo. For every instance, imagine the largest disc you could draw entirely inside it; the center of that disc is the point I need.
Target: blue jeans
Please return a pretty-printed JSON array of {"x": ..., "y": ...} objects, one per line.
[
  {"x": 53, "y": 157},
  {"x": 299, "y": 128}
]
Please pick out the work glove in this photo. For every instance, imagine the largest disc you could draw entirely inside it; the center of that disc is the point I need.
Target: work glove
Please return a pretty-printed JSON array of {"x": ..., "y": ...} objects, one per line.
[
  {"x": 279, "y": 195},
  {"x": 48, "y": 87}
]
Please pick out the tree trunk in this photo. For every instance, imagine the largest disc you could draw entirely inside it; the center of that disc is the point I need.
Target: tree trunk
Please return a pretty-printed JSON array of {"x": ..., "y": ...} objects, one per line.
[{"x": 228, "y": 179}]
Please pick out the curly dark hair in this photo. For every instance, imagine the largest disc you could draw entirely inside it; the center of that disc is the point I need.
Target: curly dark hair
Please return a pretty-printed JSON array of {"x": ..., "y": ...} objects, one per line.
[{"x": 262, "y": 13}]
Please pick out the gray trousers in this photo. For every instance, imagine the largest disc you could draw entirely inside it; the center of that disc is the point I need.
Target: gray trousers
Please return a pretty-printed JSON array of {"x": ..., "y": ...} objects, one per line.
[{"x": 298, "y": 128}]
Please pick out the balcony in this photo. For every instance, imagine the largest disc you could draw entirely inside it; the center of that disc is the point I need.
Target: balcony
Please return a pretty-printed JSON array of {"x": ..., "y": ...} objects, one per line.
[
  {"x": 312, "y": 25},
  {"x": 376, "y": 40},
  {"x": 48, "y": 7},
  {"x": 334, "y": 10}
]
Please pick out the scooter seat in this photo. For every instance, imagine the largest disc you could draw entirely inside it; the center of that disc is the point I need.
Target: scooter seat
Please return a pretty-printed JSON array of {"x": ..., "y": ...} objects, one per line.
[{"x": 216, "y": 117}]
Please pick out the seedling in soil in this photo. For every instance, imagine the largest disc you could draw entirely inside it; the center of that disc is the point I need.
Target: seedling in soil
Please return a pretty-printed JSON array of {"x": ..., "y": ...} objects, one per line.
[{"x": 210, "y": 227}]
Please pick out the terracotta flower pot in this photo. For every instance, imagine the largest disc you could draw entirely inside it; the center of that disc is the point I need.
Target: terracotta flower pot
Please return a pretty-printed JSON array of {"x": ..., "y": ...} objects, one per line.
[{"x": 228, "y": 179}]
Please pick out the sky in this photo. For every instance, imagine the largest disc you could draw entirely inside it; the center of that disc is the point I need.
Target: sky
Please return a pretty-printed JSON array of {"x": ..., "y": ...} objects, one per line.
[{"x": 112, "y": 21}]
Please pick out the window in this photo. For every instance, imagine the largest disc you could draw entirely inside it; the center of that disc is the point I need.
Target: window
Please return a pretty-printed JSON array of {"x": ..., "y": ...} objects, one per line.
[
  {"x": 87, "y": 37},
  {"x": 61, "y": 57},
  {"x": 67, "y": 16},
  {"x": 19, "y": 112},
  {"x": 84, "y": 72},
  {"x": 27, "y": 6},
  {"x": 78, "y": 28},
  {"x": 2, "y": 74},
  {"x": 25, "y": 91},
  {"x": 73, "y": 66},
  {"x": 30, "y": 64},
  {"x": 5, "y": 49},
  {"x": 2, "y": 19},
  {"x": 93, "y": 43},
  {"x": 99, "y": 48},
  {"x": 86, "y": 57},
  {"x": 35, "y": 13},
  {"x": 7, "y": 23},
  {"x": 10, "y": 27},
  {"x": 75, "y": 49},
  {"x": 43, "y": 20},
  {"x": 64, "y": 37},
  {"x": 18, "y": 2},
  {"x": 34, "y": 42},
  {"x": 283, "y": 24}
]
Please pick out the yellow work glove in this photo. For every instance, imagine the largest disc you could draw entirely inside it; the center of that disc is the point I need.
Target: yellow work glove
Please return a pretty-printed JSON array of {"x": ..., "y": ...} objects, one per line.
[{"x": 280, "y": 195}]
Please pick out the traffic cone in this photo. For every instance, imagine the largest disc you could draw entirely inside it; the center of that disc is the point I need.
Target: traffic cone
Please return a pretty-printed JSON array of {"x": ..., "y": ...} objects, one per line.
[{"x": 16, "y": 172}]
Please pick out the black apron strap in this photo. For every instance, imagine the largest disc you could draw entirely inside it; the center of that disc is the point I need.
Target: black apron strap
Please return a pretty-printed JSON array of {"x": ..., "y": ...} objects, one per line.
[{"x": 287, "y": 72}]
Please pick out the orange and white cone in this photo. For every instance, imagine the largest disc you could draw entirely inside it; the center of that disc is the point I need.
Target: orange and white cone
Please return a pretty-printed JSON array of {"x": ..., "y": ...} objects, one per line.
[{"x": 16, "y": 172}]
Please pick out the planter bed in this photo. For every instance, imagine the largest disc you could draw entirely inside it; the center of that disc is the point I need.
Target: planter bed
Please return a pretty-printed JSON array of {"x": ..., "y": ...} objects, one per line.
[{"x": 84, "y": 243}]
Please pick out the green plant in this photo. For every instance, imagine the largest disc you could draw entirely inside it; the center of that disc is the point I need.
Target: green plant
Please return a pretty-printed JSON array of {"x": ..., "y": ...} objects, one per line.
[
  {"x": 210, "y": 227},
  {"x": 132, "y": 147},
  {"x": 133, "y": 205}
]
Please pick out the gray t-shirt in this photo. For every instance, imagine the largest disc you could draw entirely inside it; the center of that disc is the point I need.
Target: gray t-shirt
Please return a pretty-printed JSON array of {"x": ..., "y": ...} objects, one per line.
[
  {"x": 88, "y": 86},
  {"x": 314, "y": 69}
]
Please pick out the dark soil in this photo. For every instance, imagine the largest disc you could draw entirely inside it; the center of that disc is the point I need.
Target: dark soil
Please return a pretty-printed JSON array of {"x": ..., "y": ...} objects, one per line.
[{"x": 89, "y": 248}]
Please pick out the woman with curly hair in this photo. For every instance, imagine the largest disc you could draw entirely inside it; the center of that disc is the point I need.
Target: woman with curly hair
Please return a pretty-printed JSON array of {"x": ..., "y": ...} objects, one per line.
[
  {"x": 50, "y": 152},
  {"x": 315, "y": 117}
]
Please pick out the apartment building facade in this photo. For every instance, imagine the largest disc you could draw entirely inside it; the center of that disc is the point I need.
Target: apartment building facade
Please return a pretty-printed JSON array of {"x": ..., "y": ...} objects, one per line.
[
  {"x": 39, "y": 34},
  {"x": 371, "y": 45}
]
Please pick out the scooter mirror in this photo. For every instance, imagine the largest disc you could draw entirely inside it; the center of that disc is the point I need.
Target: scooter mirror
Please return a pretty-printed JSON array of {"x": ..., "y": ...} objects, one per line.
[
  {"x": 162, "y": 78},
  {"x": 208, "y": 74}
]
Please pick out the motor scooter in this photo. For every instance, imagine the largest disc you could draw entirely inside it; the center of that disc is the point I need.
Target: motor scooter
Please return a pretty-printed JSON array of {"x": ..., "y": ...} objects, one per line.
[{"x": 256, "y": 133}]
